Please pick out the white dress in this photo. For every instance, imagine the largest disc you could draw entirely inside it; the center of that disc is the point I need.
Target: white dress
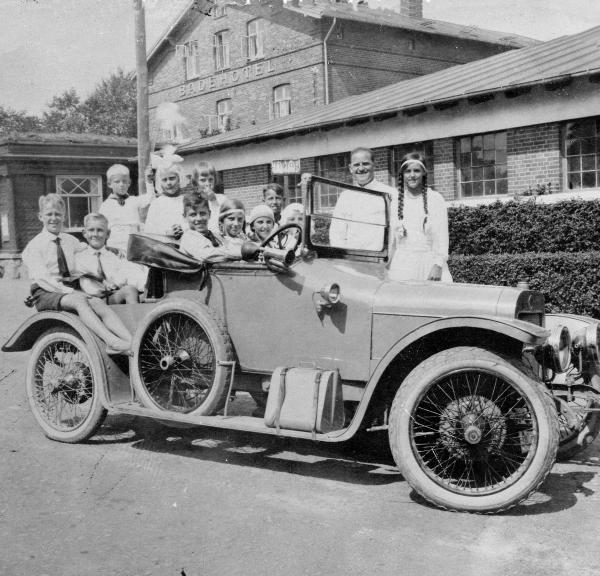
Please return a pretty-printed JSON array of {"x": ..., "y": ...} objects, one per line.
[{"x": 415, "y": 253}]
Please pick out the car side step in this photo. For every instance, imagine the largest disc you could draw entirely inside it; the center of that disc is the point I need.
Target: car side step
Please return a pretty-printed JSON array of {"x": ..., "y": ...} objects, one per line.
[{"x": 242, "y": 423}]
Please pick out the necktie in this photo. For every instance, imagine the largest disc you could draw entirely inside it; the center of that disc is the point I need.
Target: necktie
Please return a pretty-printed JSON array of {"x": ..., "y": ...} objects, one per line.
[
  {"x": 101, "y": 274},
  {"x": 63, "y": 267},
  {"x": 208, "y": 234},
  {"x": 121, "y": 199}
]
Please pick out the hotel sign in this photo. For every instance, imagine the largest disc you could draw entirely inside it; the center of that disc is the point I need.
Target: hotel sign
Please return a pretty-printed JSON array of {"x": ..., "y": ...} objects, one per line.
[
  {"x": 285, "y": 167},
  {"x": 225, "y": 79}
]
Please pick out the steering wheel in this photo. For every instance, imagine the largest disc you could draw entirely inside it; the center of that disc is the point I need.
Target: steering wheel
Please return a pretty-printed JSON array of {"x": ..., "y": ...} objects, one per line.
[{"x": 279, "y": 232}]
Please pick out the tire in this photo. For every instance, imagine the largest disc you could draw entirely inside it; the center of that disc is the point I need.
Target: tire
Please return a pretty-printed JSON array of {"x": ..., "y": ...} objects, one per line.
[
  {"x": 470, "y": 431},
  {"x": 179, "y": 350},
  {"x": 577, "y": 430},
  {"x": 63, "y": 382}
]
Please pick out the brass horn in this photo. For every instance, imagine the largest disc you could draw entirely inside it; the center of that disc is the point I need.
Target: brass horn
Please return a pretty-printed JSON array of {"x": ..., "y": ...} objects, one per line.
[{"x": 251, "y": 250}]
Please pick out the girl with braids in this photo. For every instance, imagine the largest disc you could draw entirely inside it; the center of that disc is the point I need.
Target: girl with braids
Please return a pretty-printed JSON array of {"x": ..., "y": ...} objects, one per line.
[{"x": 421, "y": 232}]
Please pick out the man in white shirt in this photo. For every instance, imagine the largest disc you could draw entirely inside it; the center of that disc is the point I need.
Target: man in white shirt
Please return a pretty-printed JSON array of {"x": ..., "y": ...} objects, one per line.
[{"x": 358, "y": 219}]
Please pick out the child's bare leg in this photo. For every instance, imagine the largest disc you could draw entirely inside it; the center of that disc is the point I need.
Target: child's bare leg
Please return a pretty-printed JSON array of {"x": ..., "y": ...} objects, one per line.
[
  {"x": 80, "y": 303},
  {"x": 110, "y": 319},
  {"x": 125, "y": 295}
]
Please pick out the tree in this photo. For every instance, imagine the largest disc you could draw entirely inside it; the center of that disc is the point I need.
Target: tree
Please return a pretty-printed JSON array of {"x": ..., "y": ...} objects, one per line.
[
  {"x": 17, "y": 121},
  {"x": 64, "y": 114},
  {"x": 111, "y": 108}
]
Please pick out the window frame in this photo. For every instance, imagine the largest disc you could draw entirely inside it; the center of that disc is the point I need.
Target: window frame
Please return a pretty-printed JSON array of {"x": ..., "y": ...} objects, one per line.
[
  {"x": 221, "y": 56},
  {"x": 260, "y": 39},
  {"x": 191, "y": 63},
  {"x": 94, "y": 200},
  {"x": 276, "y": 104},
  {"x": 342, "y": 167},
  {"x": 483, "y": 180},
  {"x": 221, "y": 116},
  {"x": 565, "y": 156}
]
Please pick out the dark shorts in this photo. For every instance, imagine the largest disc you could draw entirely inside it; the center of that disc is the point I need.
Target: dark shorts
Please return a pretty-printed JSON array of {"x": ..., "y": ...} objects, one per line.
[{"x": 44, "y": 300}]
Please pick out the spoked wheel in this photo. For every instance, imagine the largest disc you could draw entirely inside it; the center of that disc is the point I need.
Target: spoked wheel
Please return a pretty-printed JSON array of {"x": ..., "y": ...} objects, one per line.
[
  {"x": 62, "y": 387},
  {"x": 578, "y": 428},
  {"x": 182, "y": 355},
  {"x": 471, "y": 431}
]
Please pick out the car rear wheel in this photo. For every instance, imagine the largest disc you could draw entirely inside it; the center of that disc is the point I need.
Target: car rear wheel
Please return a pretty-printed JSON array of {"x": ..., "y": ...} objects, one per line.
[
  {"x": 63, "y": 381},
  {"x": 470, "y": 431},
  {"x": 183, "y": 358}
]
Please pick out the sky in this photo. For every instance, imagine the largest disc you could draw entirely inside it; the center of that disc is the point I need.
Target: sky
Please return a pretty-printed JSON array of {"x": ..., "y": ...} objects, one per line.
[{"x": 49, "y": 46}]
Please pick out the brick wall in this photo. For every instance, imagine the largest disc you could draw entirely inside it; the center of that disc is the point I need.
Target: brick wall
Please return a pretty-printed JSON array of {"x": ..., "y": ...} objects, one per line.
[
  {"x": 443, "y": 169},
  {"x": 382, "y": 164},
  {"x": 533, "y": 157},
  {"x": 292, "y": 55},
  {"x": 246, "y": 184}
]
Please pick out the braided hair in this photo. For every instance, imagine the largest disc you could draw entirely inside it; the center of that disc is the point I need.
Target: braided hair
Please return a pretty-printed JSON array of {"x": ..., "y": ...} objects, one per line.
[{"x": 405, "y": 162}]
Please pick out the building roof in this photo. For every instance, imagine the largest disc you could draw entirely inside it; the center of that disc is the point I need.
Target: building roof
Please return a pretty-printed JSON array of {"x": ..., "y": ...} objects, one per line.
[
  {"x": 366, "y": 15},
  {"x": 382, "y": 17},
  {"x": 65, "y": 138},
  {"x": 552, "y": 62}
]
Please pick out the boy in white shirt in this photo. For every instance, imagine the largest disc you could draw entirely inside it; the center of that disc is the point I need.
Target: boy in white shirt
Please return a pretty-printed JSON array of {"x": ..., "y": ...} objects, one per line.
[
  {"x": 123, "y": 212},
  {"x": 50, "y": 259},
  {"x": 103, "y": 273},
  {"x": 198, "y": 241}
]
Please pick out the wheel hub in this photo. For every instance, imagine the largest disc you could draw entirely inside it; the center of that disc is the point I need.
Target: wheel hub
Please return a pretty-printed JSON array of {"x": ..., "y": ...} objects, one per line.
[{"x": 472, "y": 422}]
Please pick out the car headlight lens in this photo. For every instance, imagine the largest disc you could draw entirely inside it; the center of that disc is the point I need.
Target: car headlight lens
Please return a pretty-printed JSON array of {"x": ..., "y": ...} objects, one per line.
[
  {"x": 559, "y": 344},
  {"x": 591, "y": 342},
  {"x": 331, "y": 293}
]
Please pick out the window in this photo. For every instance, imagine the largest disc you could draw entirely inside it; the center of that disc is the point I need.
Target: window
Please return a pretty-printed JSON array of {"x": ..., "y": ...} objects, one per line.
[
  {"x": 82, "y": 195},
  {"x": 482, "y": 163},
  {"x": 254, "y": 39},
  {"x": 334, "y": 167},
  {"x": 292, "y": 191},
  {"x": 224, "y": 115},
  {"x": 221, "y": 50},
  {"x": 191, "y": 56},
  {"x": 423, "y": 148},
  {"x": 219, "y": 11},
  {"x": 582, "y": 152},
  {"x": 282, "y": 101}
]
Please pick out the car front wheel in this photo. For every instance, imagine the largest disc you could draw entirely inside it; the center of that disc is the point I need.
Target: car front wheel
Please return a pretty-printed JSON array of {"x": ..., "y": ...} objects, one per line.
[
  {"x": 470, "y": 431},
  {"x": 63, "y": 381}
]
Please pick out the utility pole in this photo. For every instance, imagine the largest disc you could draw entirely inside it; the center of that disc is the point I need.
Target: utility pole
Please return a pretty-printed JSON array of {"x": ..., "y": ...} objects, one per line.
[{"x": 143, "y": 128}]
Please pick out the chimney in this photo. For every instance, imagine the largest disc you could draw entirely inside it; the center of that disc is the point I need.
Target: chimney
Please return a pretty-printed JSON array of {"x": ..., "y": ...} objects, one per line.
[{"x": 411, "y": 8}]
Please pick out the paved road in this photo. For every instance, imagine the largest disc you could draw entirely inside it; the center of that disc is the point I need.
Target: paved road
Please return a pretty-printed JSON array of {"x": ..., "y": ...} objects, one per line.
[{"x": 142, "y": 500}]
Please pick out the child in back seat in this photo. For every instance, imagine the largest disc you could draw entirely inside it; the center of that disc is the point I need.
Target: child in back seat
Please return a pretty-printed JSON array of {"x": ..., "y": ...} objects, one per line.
[{"x": 198, "y": 241}]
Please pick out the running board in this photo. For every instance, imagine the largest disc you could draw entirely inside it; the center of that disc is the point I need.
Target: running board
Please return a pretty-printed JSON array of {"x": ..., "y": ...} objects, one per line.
[{"x": 240, "y": 423}]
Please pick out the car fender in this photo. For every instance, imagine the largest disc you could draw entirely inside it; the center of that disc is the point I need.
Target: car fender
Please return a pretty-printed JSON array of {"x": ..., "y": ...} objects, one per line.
[
  {"x": 31, "y": 329},
  {"x": 519, "y": 330}
]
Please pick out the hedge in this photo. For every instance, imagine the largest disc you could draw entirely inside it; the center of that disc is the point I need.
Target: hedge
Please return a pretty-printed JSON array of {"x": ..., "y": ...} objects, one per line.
[
  {"x": 570, "y": 282},
  {"x": 525, "y": 226}
]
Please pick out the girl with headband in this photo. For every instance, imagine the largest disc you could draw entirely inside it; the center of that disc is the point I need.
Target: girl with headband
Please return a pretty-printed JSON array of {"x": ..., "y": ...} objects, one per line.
[{"x": 421, "y": 232}]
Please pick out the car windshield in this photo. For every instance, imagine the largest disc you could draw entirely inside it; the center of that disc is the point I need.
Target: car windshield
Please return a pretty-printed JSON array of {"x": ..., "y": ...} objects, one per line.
[{"x": 347, "y": 217}]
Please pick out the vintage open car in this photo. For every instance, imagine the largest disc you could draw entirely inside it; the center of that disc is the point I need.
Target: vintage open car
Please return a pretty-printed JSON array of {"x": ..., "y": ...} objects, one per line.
[{"x": 477, "y": 387}]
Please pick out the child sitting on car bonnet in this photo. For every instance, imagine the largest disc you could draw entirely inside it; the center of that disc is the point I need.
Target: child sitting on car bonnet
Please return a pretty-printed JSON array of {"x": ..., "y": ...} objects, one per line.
[
  {"x": 231, "y": 222},
  {"x": 198, "y": 241},
  {"x": 103, "y": 273},
  {"x": 165, "y": 215},
  {"x": 50, "y": 260}
]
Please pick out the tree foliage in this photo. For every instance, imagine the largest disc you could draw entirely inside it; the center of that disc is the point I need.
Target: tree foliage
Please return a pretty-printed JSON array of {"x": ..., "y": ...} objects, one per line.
[
  {"x": 110, "y": 110},
  {"x": 17, "y": 121}
]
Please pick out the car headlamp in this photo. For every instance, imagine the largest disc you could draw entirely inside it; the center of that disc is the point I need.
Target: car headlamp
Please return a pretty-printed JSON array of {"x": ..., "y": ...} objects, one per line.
[
  {"x": 330, "y": 293},
  {"x": 591, "y": 343},
  {"x": 559, "y": 347}
]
